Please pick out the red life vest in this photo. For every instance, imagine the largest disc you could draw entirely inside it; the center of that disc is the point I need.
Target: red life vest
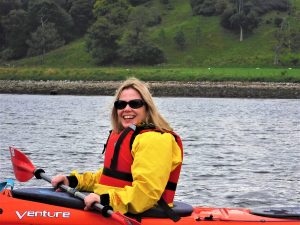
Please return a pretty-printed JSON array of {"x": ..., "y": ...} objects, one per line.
[{"x": 118, "y": 160}]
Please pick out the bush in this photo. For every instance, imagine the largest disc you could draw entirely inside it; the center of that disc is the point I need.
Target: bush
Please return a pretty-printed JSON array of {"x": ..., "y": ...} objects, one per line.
[
  {"x": 139, "y": 51},
  {"x": 180, "y": 40},
  {"x": 155, "y": 18},
  {"x": 207, "y": 7},
  {"x": 101, "y": 41},
  {"x": 262, "y": 7},
  {"x": 138, "y": 2},
  {"x": 165, "y": 1},
  {"x": 290, "y": 59},
  {"x": 278, "y": 21},
  {"x": 7, "y": 54},
  {"x": 102, "y": 55}
]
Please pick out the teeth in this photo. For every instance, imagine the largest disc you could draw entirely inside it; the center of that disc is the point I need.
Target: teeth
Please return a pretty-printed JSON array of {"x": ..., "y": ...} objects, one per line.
[{"x": 128, "y": 117}]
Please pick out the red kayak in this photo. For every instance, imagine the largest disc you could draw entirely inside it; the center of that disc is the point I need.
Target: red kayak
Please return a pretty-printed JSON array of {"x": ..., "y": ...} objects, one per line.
[{"x": 42, "y": 206}]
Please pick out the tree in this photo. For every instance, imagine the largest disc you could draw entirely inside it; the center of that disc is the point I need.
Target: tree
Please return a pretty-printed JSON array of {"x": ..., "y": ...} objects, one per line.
[
  {"x": 204, "y": 7},
  {"x": 2, "y": 37},
  {"x": 278, "y": 21},
  {"x": 138, "y": 20},
  {"x": 82, "y": 14},
  {"x": 282, "y": 38},
  {"x": 138, "y": 2},
  {"x": 135, "y": 50},
  {"x": 179, "y": 39},
  {"x": 65, "y": 4},
  {"x": 102, "y": 41},
  {"x": 220, "y": 6},
  {"x": 44, "y": 39},
  {"x": 135, "y": 46},
  {"x": 52, "y": 13},
  {"x": 295, "y": 41},
  {"x": 116, "y": 11},
  {"x": 263, "y": 7},
  {"x": 106, "y": 31},
  {"x": 240, "y": 17},
  {"x": 15, "y": 27},
  {"x": 7, "y": 5}
]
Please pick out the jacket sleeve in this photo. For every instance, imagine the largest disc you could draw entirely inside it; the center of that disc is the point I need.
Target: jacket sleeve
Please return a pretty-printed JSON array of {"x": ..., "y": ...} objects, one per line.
[
  {"x": 87, "y": 180},
  {"x": 155, "y": 156}
]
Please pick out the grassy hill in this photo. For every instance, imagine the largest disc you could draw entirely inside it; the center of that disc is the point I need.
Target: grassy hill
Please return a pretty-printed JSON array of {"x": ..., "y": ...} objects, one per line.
[{"x": 215, "y": 47}]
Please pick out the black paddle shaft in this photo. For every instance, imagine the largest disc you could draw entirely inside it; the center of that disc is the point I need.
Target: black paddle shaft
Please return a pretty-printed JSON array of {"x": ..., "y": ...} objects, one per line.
[{"x": 105, "y": 210}]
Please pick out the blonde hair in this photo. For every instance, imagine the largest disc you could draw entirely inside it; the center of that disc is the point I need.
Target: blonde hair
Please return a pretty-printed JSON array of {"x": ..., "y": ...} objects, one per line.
[{"x": 152, "y": 114}]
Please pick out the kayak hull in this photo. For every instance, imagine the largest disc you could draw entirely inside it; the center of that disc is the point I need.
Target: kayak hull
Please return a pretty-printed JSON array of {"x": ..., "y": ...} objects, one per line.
[
  {"x": 14, "y": 211},
  {"x": 18, "y": 211}
]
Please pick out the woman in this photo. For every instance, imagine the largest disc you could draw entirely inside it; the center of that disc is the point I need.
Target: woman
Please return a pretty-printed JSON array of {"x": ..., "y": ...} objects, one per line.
[{"x": 143, "y": 157}]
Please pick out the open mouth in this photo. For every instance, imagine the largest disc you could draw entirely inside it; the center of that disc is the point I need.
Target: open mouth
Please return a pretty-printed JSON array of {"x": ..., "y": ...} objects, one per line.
[{"x": 128, "y": 117}]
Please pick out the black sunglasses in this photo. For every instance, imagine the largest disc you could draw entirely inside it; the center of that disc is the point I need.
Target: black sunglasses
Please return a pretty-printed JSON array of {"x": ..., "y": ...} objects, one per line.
[{"x": 135, "y": 104}]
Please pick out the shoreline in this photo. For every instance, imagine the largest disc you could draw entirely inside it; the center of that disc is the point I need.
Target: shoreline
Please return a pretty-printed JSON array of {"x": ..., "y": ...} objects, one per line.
[{"x": 161, "y": 89}]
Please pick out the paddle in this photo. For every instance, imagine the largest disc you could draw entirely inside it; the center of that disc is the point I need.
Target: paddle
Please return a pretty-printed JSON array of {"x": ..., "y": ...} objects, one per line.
[{"x": 24, "y": 170}]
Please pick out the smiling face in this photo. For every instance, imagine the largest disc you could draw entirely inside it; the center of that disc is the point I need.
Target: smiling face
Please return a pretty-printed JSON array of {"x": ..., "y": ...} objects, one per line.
[{"x": 128, "y": 115}]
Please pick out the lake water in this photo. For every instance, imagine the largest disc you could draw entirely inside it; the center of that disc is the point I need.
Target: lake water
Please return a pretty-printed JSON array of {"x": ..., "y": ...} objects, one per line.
[{"x": 238, "y": 152}]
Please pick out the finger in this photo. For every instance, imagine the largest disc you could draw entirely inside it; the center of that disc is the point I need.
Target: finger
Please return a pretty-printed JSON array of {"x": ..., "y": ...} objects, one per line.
[
  {"x": 56, "y": 180},
  {"x": 88, "y": 206}
]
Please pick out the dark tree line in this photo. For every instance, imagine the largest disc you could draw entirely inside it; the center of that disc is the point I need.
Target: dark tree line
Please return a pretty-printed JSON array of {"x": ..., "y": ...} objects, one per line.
[
  {"x": 34, "y": 27},
  {"x": 116, "y": 30}
]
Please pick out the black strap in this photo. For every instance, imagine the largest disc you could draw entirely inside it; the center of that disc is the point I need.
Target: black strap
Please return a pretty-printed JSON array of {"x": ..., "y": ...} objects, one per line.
[
  {"x": 171, "y": 186},
  {"x": 117, "y": 174},
  {"x": 168, "y": 210},
  {"x": 104, "y": 147},
  {"x": 114, "y": 160}
]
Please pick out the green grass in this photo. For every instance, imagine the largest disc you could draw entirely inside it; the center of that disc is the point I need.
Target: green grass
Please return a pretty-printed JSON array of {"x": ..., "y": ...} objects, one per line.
[
  {"x": 152, "y": 74},
  {"x": 69, "y": 56}
]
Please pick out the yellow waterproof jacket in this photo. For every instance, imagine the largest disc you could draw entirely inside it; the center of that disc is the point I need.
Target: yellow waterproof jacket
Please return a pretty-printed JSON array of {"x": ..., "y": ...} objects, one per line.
[{"x": 155, "y": 156}]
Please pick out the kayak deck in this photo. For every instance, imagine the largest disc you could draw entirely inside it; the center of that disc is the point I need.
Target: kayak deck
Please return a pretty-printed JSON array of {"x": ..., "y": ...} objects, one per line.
[
  {"x": 49, "y": 196},
  {"x": 45, "y": 206}
]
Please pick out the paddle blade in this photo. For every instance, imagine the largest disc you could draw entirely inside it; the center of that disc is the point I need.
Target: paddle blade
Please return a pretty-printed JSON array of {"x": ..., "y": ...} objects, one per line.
[{"x": 23, "y": 167}]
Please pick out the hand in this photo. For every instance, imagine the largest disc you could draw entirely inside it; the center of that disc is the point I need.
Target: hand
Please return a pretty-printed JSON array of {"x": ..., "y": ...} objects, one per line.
[
  {"x": 58, "y": 180},
  {"x": 90, "y": 200}
]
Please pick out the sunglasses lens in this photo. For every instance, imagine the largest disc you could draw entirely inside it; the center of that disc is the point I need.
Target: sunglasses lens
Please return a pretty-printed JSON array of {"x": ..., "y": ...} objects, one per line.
[
  {"x": 120, "y": 104},
  {"x": 134, "y": 104}
]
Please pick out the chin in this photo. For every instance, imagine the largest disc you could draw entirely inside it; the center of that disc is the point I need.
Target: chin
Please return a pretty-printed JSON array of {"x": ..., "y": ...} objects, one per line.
[
  {"x": 125, "y": 125},
  {"x": 128, "y": 124}
]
